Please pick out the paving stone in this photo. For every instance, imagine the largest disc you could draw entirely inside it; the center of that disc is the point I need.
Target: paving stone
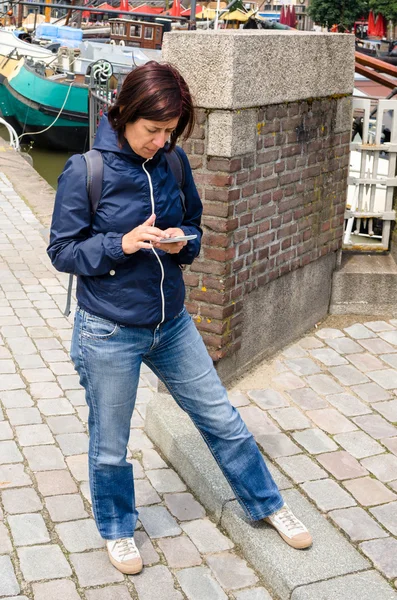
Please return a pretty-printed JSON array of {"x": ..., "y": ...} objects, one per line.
[
  {"x": 366, "y": 362},
  {"x": 388, "y": 410},
  {"x": 328, "y": 357},
  {"x": 369, "y": 491},
  {"x": 268, "y": 398},
  {"x": 315, "y": 441},
  {"x": 348, "y": 375},
  {"x": 156, "y": 582},
  {"x": 387, "y": 515},
  {"x": 78, "y": 466},
  {"x": 5, "y": 431},
  {"x": 288, "y": 381},
  {"x": 257, "y": 421},
  {"x": 38, "y": 375},
  {"x": 94, "y": 568},
  {"x": 386, "y": 378},
  {"x": 357, "y": 524},
  {"x": 43, "y": 562},
  {"x": 151, "y": 459},
  {"x": 184, "y": 507},
  {"x": 277, "y": 445},
  {"x": 7, "y": 366},
  {"x": 146, "y": 548},
  {"x": 65, "y": 508},
  {"x": 73, "y": 443},
  {"x": 8, "y": 581},
  {"x": 365, "y": 586},
  {"x": 383, "y": 554},
  {"x": 113, "y": 592},
  {"x": 377, "y": 346},
  {"x": 64, "y": 589},
  {"x": 16, "y": 399},
  {"x": 54, "y": 483},
  {"x": 379, "y": 326},
  {"x": 80, "y": 535},
  {"x": 83, "y": 411},
  {"x": 376, "y": 426},
  {"x": 370, "y": 392},
  {"x": 253, "y": 594},
  {"x": 390, "y": 359},
  {"x": 348, "y": 405},
  {"x": 231, "y": 571},
  {"x": 14, "y": 475},
  {"x": 158, "y": 522},
  {"x": 384, "y": 466},
  {"x": 307, "y": 399},
  {"x": 206, "y": 537},
  {"x": 389, "y": 336},
  {"x": 237, "y": 398},
  {"x": 324, "y": 385},
  {"x": 29, "y": 529},
  {"x": 359, "y": 444},
  {"x": 290, "y": 418},
  {"x": 57, "y": 406},
  {"x": 180, "y": 552},
  {"x": 197, "y": 584},
  {"x": 294, "y": 351},
  {"x": 301, "y": 468},
  {"x": 138, "y": 441},
  {"x": 145, "y": 493},
  {"x": 139, "y": 473},
  {"x": 45, "y": 389},
  {"x": 34, "y": 435},
  {"x": 21, "y": 501},
  {"x": 331, "y": 421},
  {"x": 342, "y": 465},
  {"x": 345, "y": 345},
  {"x": 391, "y": 444},
  {"x": 76, "y": 397},
  {"x": 21, "y": 346},
  {"x": 165, "y": 480},
  {"x": 24, "y": 416},
  {"x": 65, "y": 424},
  {"x": 9, "y": 453},
  {"x": 328, "y": 495},
  {"x": 329, "y": 333},
  {"x": 359, "y": 331},
  {"x": 29, "y": 361},
  {"x": 303, "y": 366},
  {"x": 5, "y": 542},
  {"x": 44, "y": 458}
]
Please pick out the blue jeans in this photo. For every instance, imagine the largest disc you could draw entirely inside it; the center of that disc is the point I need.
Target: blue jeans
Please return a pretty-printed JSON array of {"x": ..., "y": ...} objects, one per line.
[{"x": 108, "y": 358}]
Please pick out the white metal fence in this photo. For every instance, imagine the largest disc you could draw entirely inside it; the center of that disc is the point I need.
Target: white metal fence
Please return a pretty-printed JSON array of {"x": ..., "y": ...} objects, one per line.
[{"x": 372, "y": 180}]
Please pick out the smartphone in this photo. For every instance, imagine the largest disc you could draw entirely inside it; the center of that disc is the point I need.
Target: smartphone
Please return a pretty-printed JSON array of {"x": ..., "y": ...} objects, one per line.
[{"x": 180, "y": 238}]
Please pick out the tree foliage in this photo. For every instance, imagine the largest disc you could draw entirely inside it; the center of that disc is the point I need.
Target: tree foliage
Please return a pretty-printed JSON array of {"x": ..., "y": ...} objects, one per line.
[
  {"x": 340, "y": 12},
  {"x": 388, "y": 8}
]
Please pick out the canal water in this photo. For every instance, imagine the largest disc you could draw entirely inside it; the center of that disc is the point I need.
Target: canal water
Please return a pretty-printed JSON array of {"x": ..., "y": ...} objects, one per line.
[{"x": 49, "y": 164}]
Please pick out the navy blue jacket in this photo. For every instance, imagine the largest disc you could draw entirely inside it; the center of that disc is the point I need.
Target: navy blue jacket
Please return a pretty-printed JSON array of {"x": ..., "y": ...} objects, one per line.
[{"x": 140, "y": 289}]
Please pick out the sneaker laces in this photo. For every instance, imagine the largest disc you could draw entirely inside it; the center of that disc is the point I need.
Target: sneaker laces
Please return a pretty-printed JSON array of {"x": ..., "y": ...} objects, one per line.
[
  {"x": 126, "y": 547},
  {"x": 288, "y": 519}
]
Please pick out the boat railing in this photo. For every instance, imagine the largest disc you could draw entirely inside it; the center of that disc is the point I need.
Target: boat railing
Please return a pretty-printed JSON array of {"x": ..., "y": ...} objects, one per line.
[
  {"x": 14, "y": 140},
  {"x": 372, "y": 178}
]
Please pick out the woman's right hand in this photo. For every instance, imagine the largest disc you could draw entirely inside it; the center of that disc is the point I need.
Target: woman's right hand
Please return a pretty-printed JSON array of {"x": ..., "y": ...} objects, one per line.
[{"x": 140, "y": 237}]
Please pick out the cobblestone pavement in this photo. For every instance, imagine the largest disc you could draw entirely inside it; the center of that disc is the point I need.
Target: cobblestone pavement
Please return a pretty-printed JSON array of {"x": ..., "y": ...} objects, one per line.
[
  {"x": 49, "y": 546},
  {"x": 324, "y": 411}
]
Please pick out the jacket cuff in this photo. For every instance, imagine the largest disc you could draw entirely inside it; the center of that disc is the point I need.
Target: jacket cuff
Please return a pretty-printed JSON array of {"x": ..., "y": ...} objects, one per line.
[{"x": 114, "y": 248}]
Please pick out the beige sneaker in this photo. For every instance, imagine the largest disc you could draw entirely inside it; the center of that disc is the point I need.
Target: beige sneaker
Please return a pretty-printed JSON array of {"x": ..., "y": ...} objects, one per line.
[
  {"x": 290, "y": 528},
  {"x": 124, "y": 555}
]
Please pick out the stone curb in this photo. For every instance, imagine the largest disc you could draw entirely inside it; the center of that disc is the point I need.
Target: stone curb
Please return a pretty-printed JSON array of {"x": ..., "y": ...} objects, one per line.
[{"x": 282, "y": 568}]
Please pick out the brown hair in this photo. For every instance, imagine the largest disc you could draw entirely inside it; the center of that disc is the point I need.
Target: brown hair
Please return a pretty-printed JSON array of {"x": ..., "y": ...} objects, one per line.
[{"x": 157, "y": 92}]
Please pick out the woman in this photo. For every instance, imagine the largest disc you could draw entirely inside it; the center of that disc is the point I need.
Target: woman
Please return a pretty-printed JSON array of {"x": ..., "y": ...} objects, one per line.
[{"x": 130, "y": 296}]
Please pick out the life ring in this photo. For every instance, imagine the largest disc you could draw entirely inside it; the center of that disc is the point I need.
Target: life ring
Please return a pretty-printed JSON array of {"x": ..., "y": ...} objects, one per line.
[{"x": 121, "y": 43}]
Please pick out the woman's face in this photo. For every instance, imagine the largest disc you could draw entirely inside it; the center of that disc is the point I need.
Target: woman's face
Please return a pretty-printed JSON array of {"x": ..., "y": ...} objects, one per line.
[{"x": 146, "y": 137}]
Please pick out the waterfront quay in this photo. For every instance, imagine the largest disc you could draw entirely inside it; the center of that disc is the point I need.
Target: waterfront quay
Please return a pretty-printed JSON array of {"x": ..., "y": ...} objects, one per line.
[{"x": 323, "y": 410}]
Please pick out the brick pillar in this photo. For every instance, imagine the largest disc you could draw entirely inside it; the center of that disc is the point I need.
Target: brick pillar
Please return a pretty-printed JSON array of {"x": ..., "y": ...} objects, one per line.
[{"x": 270, "y": 154}]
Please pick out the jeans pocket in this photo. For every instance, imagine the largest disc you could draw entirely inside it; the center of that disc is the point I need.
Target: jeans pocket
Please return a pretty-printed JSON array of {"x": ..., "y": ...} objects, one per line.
[{"x": 98, "y": 328}]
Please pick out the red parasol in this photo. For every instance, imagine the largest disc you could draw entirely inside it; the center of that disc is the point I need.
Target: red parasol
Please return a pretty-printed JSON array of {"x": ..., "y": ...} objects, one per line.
[
  {"x": 293, "y": 17},
  {"x": 176, "y": 9},
  {"x": 288, "y": 17},
  {"x": 371, "y": 24},
  {"x": 381, "y": 26},
  {"x": 282, "y": 15}
]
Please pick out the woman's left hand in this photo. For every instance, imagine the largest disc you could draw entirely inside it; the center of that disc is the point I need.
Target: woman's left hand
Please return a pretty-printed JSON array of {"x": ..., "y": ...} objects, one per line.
[{"x": 172, "y": 248}]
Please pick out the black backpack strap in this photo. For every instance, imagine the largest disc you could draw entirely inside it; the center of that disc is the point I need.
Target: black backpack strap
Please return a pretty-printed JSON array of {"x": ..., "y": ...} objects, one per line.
[
  {"x": 94, "y": 161},
  {"x": 177, "y": 167}
]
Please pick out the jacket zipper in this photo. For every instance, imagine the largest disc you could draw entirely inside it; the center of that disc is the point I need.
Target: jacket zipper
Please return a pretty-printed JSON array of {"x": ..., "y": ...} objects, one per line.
[{"x": 157, "y": 256}]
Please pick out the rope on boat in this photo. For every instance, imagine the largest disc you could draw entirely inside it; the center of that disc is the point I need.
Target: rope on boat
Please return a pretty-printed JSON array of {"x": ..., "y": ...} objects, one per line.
[
  {"x": 14, "y": 140},
  {"x": 54, "y": 121}
]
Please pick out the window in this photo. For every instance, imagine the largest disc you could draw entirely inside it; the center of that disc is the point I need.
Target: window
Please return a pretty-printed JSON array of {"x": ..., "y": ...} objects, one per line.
[
  {"x": 136, "y": 31},
  {"x": 148, "y": 33},
  {"x": 158, "y": 34},
  {"x": 122, "y": 29}
]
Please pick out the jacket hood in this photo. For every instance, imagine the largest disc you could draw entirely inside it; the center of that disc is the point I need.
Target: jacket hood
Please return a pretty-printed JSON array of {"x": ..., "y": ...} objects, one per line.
[{"x": 106, "y": 140}]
